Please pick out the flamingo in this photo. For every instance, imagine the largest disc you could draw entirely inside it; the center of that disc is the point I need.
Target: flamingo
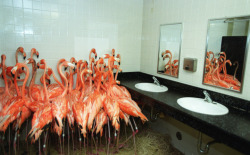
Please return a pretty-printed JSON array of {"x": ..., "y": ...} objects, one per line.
[
  {"x": 5, "y": 96},
  {"x": 13, "y": 107},
  {"x": 19, "y": 50}
]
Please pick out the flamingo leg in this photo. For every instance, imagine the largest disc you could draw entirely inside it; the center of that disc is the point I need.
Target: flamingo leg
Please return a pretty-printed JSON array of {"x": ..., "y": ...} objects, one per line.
[
  {"x": 27, "y": 134},
  {"x": 68, "y": 140},
  {"x": 108, "y": 136},
  {"x": 80, "y": 139},
  {"x": 60, "y": 144},
  {"x": 125, "y": 130},
  {"x": 39, "y": 146},
  {"x": 9, "y": 141},
  {"x": 18, "y": 137},
  {"x": 63, "y": 135},
  {"x": 133, "y": 135},
  {"x": 117, "y": 144},
  {"x": 45, "y": 141},
  {"x": 15, "y": 139},
  {"x": 92, "y": 135}
]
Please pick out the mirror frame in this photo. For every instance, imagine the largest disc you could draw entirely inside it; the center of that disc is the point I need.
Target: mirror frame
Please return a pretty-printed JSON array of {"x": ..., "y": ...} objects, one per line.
[
  {"x": 245, "y": 56},
  {"x": 160, "y": 51}
]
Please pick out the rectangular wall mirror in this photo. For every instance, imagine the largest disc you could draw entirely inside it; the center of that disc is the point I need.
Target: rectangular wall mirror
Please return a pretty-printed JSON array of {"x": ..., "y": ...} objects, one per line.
[
  {"x": 227, "y": 45},
  {"x": 169, "y": 49}
]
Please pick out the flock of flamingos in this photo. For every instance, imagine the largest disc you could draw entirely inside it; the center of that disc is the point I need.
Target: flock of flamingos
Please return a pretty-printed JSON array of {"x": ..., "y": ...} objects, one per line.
[
  {"x": 90, "y": 103},
  {"x": 171, "y": 67},
  {"x": 216, "y": 72}
]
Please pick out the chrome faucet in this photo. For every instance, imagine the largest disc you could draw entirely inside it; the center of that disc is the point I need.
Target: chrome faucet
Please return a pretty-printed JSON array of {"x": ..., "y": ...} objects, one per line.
[
  {"x": 156, "y": 81},
  {"x": 207, "y": 97}
]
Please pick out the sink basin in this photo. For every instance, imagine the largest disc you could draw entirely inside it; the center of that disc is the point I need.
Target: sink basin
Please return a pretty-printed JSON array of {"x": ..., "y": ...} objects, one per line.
[
  {"x": 151, "y": 87},
  {"x": 201, "y": 106}
]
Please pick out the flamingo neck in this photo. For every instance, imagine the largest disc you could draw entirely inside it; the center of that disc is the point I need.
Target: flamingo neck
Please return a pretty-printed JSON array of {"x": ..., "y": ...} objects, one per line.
[
  {"x": 65, "y": 80},
  {"x": 71, "y": 80},
  {"x": 5, "y": 78},
  {"x": 236, "y": 71},
  {"x": 32, "y": 53},
  {"x": 44, "y": 84},
  {"x": 58, "y": 64},
  {"x": 32, "y": 82},
  {"x": 83, "y": 85},
  {"x": 116, "y": 74},
  {"x": 25, "y": 79},
  {"x": 54, "y": 76},
  {"x": 77, "y": 76}
]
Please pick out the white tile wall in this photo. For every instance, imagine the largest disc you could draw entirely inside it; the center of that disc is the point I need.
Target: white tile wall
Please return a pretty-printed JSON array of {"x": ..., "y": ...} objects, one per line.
[
  {"x": 194, "y": 14},
  {"x": 67, "y": 28}
]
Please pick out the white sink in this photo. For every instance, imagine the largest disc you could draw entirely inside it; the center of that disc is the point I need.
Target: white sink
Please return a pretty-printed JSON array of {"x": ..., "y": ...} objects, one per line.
[
  {"x": 201, "y": 106},
  {"x": 151, "y": 87}
]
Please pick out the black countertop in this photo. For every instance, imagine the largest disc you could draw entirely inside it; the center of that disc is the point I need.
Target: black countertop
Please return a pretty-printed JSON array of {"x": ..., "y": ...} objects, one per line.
[{"x": 232, "y": 129}]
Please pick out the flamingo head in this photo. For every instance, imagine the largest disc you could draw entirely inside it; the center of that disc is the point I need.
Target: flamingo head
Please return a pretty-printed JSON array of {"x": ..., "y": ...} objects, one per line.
[
  {"x": 30, "y": 60},
  {"x": 166, "y": 52},
  {"x": 61, "y": 60},
  {"x": 175, "y": 61},
  {"x": 42, "y": 61},
  {"x": 222, "y": 54},
  {"x": 49, "y": 71},
  {"x": 3, "y": 57},
  {"x": 106, "y": 56},
  {"x": 84, "y": 64},
  {"x": 93, "y": 51},
  {"x": 73, "y": 60},
  {"x": 113, "y": 52},
  {"x": 47, "y": 77},
  {"x": 33, "y": 50},
  {"x": 21, "y": 49},
  {"x": 14, "y": 69},
  {"x": 112, "y": 59},
  {"x": 166, "y": 56}
]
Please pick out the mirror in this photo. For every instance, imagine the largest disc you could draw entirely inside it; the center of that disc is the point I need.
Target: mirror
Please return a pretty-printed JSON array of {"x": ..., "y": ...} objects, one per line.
[
  {"x": 169, "y": 49},
  {"x": 227, "y": 42}
]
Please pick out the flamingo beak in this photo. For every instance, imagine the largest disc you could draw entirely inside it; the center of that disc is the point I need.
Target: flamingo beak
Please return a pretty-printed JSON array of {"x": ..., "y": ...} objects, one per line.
[
  {"x": 37, "y": 56},
  {"x": 24, "y": 57},
  {"x": 49, "y": 81},
  {"x": 95, "y": 56},
  {"x": 65, "y": 68},
  {"x": 38, "y": 66},
  {"x": 13, "y": 75},
  {"x": 19, "y": 77},
  {"x": 22, "y": 68}
]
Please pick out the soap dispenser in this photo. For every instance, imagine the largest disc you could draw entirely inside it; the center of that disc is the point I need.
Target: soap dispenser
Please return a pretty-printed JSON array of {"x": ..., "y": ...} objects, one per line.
[{"x": 190, "y": 64}]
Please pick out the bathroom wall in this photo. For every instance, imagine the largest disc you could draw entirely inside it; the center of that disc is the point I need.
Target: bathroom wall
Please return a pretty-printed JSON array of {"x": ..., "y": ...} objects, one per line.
[
  {"x": 194, "y": 14},
  {"x": 67, "y": 28}
]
